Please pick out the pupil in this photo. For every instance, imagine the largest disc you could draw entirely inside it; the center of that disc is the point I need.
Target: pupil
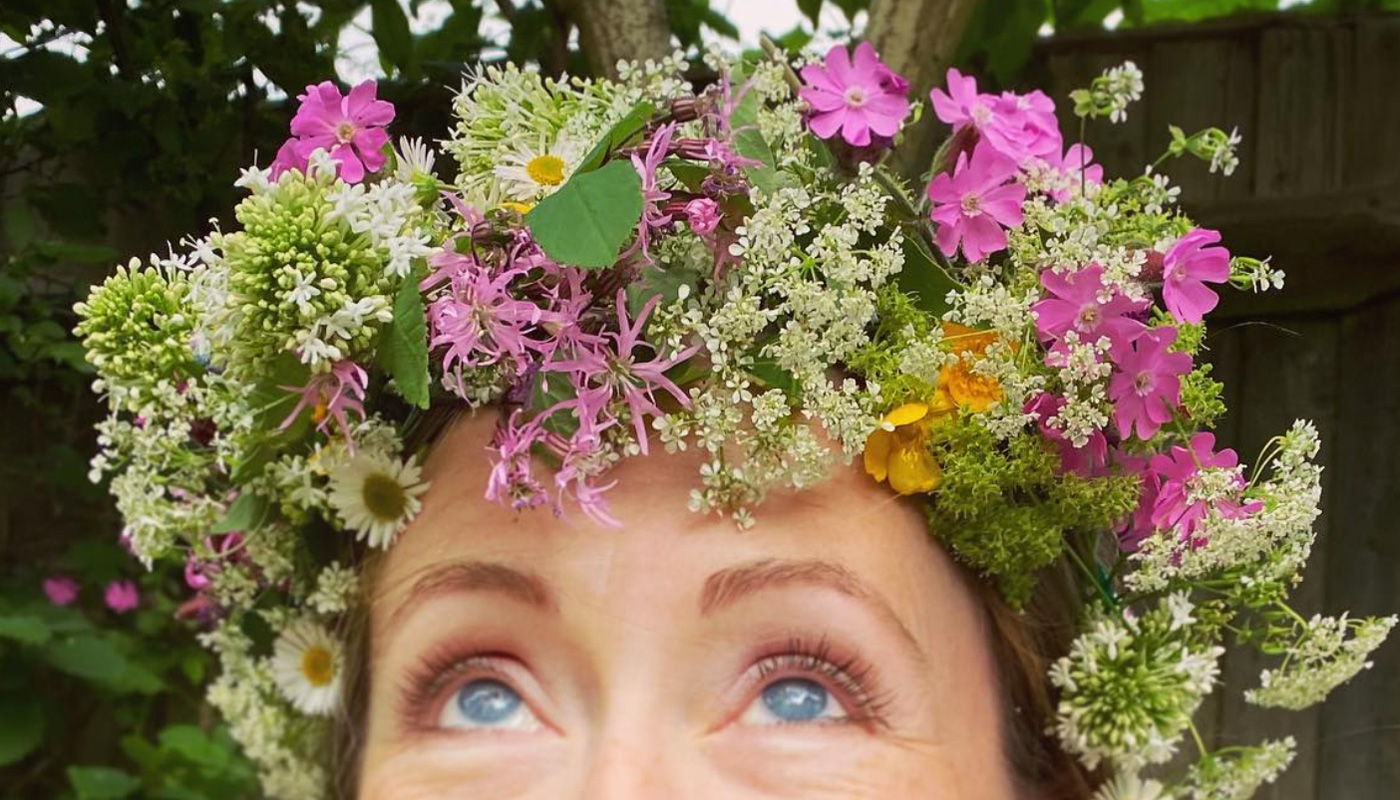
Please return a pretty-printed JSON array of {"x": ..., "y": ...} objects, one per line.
[
  {"x": 487, "y": 702},
  {"x": 795, "y": 699}
]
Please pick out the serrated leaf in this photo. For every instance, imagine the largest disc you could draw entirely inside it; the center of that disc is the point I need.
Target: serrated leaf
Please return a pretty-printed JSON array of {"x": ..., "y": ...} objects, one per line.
[
  {"x": 617, "y": 136},
  {"x": 102, "y": 783},
  {"x": 586, "y": 222},
  {"x": 923, "y": 277},
  {"x": 21, "y": 727},
  {"x": 812, "y": 10},
  {"x": 749, "y": 141},
  {"x": 403, "y": 346}
]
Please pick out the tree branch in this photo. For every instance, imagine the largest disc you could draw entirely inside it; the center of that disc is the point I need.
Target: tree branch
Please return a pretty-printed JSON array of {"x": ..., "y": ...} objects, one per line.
[{"x": 918, "y": 39}]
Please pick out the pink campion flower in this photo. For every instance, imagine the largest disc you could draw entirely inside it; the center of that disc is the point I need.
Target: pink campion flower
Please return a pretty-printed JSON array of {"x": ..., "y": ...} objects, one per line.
[
  {"x": 1078, "y": 163},
  {"x": 1186, "y": 269},
  {"x": 1177, "y": 507},
  {"x": 1019, "y": 127},
  {"x": 61, "y": 590},
  {"x": 1075, "y": 303},
  {"x": 975, "y": 204},
  {"x": 618, "y": 369},
  {"x": 512, "y": 477},
  {"x": 1088, "y": 460},
  {"x": 348, "y": 127},
  {"x": 1138, "y": 526},
  {"x": 855, "y": 95},
  {"x": 332, "y": 397},
  {"x": 121, "y": 596},
  {"x": 1146, "y": 383},
  {"x": 703, "y": 215}
]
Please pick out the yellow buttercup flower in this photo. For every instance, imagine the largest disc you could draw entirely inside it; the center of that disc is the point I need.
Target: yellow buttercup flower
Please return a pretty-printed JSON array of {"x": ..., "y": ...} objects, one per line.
[
  {"x": 967, "y": 388},
  {"x": 897, "y": 450}
]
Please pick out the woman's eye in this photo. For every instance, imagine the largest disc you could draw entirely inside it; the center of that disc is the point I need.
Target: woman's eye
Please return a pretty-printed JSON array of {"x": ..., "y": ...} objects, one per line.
[
  {"x": 488, "y": 703},
  {"x": 794, "y": 701}
]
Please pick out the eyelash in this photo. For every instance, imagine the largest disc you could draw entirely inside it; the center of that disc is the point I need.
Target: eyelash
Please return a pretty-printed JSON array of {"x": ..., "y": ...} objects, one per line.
[
  {"x": 851, "y": 677},
  {"x": 424, "y": 689},
  {"x": 854, "y": 679}
]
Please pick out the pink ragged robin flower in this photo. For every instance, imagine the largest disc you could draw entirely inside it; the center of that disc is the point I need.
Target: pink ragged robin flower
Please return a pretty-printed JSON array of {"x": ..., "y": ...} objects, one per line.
[
  {"x": 854, "y": 95},
  {"x": 703, "y": 215},
  {"x": 974, "y": 206},
  {"x": 348, "y": 127},
  {"x": 332, "y": 397},
  {"x": 1186, "y": 269},
  {"x": 1146, "y": 383}
]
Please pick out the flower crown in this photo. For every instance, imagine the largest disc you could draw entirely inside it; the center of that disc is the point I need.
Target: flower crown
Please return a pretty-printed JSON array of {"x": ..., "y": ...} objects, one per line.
[{"x": 625, "y": 265}]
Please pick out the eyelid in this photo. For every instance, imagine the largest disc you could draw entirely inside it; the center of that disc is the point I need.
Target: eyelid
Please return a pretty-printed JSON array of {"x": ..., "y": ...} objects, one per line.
[{"x": 428, "y": 688}]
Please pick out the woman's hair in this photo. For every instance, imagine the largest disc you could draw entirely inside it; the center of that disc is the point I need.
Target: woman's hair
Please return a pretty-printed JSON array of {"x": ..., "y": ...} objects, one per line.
[{"x": 1023, "y": 644}]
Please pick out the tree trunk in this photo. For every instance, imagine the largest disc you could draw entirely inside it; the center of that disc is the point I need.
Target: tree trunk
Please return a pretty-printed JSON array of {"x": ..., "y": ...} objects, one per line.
[
  {"x": 918, "y": 39},
  {"x": 614, "y": 30}
]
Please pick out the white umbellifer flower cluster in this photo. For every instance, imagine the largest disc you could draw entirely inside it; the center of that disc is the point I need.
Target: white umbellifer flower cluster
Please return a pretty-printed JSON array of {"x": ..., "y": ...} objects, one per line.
[
  {"x": 1129, "y": 686},
  {"x": 1238, "y": 774},
  {"x": 1122, "y": 86},
  {"x": 1271, "y": 544},
  {"x": 1322, "y": 654}
]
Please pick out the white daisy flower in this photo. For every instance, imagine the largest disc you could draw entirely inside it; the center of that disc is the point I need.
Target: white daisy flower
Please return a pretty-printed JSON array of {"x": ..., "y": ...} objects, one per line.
[
  {"x": 529, "y": 174},
  {"x": 1127, "y": 786},
  {"x": 307, "y": 664},
  {"x": 377, "y": 496}
]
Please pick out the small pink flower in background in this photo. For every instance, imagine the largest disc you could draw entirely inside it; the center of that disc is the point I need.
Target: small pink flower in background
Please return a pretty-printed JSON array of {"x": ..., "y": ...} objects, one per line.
[
  {"x": 61, "y": 590},
  {"x": 1088, "y": 460},
  {"x": 349, "y": 127},
  {"x": 332, "y": 397},
  {"x": 1074, "y": 304},
  {"x": 1186, "y": 269},
  {"x": 856, "y": 96},
  {"x": 1175, "y": 506},
  {"x": 121, "y": 596},
  {"x": 975, "y": 204},
  {"x": 1146, "y": 385},
  {"x": 1020, "y": 127},
  {"x": 703, "y": 215}
]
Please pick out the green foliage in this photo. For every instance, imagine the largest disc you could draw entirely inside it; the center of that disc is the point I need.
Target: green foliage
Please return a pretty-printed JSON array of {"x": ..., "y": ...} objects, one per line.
[
  {"x": 901, "y": 323},
  {"x": 1201, "y": 396},
  {"x": 1005, "y": 509},
  {"x": 586, "y": 221},
  {"x": 403, "y": 348}
]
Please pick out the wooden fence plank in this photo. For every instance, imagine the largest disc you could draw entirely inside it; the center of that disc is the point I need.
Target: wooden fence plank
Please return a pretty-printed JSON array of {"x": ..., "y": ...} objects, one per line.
[{"x": 1360, "y": 744}]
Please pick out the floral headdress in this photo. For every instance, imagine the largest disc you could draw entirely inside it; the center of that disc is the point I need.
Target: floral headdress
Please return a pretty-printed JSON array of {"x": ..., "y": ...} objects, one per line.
[{"x": 625, "y": 265}]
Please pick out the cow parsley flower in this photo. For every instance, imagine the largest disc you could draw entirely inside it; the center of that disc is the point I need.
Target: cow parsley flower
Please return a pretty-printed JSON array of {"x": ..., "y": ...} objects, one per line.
[
  {"x": 1237, "y": 773},
  {"x": 1320, "y": 656}
]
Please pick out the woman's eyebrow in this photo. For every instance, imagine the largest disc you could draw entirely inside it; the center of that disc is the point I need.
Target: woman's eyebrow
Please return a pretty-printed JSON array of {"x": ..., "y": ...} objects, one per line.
[
  {"x": 457, "y": 577},
  {"x": 727, "y": 586}
]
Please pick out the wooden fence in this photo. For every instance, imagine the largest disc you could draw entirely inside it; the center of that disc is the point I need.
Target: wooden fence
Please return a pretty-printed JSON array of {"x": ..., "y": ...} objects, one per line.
[{"x": 1318, "y": 186}]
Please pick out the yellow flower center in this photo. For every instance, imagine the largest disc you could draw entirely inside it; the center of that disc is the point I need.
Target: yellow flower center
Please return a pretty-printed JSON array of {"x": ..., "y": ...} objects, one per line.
[
  {"x": 318, "y": 413},
  {"x": 519, "y": 208},
  {"x": 384, "y": 497},
  {"x": 318, "y": 666},
  {"x": 546, "y": 170}
]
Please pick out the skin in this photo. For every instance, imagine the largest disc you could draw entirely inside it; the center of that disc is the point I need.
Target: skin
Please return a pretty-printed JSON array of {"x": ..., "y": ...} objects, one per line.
[{"x": 634, "y": 649}]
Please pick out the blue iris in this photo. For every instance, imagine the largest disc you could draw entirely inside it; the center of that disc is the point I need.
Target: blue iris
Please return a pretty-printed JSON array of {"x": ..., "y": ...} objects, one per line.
[
  {"x": 795, "y": 699},
  {"x": 487, "y": 702}
]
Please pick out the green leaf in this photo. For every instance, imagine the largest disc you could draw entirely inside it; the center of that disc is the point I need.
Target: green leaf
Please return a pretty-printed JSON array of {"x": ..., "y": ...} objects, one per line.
[
  {"x": 89, "y": 657},
  {"x": 751, "y": 144},
  {"x": 617, "y": 136},
  {"x": 26, "y": 629},
  {"x": 922, "y": 276},
  {"x": 391, "y": 34},
  {"x": 247, "y": 513},
  {"x": 775, "y": 377},
  {"x": 403, "y": 346},
  {"x": 21, "y": 726},
  {"x": 812, "y": 10},
  {"x": 586, "y": 221},
  {"x": 102, "y": 783}
]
